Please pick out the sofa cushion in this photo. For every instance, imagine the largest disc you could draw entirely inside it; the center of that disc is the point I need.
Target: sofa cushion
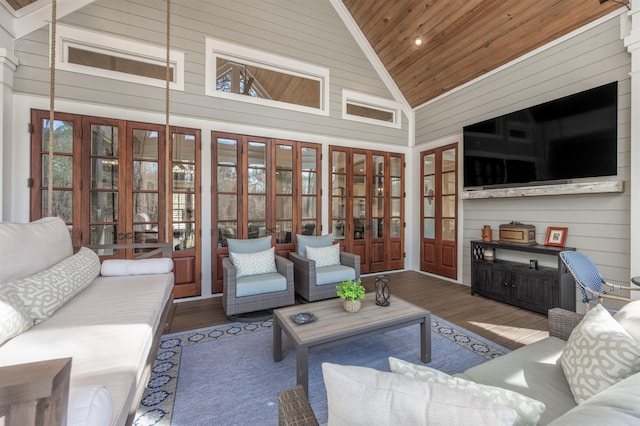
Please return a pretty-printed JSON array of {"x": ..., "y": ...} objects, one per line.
[
  {"x": 260, "y": 284},
  {"x": 251, "y": 245},
  {"x": 527, "y": 409},
  {"x": 304, "y": 241},
  {"x": 89, "y": 405},
  {"x": 334, "y": 274},
  {"x": 629, "y": 319},
  {"x": 599, "y": 353},
  {"x": 533, "y": 370},
  {"x": 616, "y": 405},
  {"x": 46, "y": 291},
  {"x": 246, "y": 264},
  {"x": 324, "y": 256},
  {"x": 28, "y": 248},
  {"x": 127, "y": 267},
  {"x": 14, "y": 318},
  {"x": 364, "y": 396}
]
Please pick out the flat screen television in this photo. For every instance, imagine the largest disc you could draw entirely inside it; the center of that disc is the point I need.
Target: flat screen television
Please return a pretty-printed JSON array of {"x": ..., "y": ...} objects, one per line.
[{"x": 567, "y": 138}]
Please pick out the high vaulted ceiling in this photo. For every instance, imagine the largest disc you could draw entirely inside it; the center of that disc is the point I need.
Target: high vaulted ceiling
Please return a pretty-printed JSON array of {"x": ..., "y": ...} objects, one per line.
[{"x": 462, "y": 39}]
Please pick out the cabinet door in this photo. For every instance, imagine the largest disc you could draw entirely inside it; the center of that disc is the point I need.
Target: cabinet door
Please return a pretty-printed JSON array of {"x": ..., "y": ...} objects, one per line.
[
  {"x": 491, "y": 281},
  {"x": 534, "y": 290}
]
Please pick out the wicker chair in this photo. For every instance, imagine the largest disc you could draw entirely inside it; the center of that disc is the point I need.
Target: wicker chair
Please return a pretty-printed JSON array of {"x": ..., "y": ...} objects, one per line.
[
  {"x": 248, "y": 299},
  {"x": 588, "y": 279},
  {"x": 311, "y": 283}
]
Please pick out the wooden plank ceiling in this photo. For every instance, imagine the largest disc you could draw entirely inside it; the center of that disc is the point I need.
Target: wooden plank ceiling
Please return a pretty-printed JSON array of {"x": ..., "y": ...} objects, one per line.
[{"x": 462, "y": 39}]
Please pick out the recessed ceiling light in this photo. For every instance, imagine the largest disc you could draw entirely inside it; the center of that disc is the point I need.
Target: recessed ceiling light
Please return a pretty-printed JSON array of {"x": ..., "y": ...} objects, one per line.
[{"x": 417, "y": 41}]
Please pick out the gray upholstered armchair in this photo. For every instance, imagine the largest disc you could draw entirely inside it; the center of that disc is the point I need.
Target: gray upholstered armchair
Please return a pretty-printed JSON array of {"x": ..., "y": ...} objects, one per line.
[
  {"x": 319, "y": 266},
  {"x": 254, "y": 278}
]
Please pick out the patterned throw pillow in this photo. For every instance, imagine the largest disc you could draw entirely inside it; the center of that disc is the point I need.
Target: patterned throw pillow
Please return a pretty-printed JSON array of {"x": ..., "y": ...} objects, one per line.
[
  {"x": 324, "y": 256},
  {"x": 598, "y": 354},
  {"x": 14, "y": 318},
  {"x": 262, "y": 262},
  {"x": 45, "y": 292},
  {"x": 528, "y": 409}
]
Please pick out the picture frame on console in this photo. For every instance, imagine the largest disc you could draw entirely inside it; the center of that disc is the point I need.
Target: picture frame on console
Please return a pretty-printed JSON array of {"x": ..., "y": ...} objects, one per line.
[{"x": 556, "y": 237}]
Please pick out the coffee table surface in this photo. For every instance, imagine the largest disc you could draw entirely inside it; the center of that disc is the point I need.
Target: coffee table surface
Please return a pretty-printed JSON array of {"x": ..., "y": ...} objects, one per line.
[{"x": 332, "y": 320}]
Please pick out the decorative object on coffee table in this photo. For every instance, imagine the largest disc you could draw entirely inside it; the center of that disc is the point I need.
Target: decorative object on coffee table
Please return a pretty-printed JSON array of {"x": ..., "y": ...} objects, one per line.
[
  {"x": 383, "y": 290},
  {"x": 351, "y": 292}
]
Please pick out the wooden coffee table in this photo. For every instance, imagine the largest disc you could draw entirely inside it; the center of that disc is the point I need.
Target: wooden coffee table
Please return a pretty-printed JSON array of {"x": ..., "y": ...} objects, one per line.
[{"x": 334, "y": 326}]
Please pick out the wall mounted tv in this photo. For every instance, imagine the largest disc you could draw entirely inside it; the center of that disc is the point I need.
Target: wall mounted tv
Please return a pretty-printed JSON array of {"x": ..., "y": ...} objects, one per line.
[{"x": 554, "y": 142}]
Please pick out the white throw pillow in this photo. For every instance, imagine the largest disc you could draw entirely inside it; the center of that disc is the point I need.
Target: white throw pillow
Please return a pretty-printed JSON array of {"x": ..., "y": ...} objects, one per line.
[
  {"x": 528, "y": 409},
  {"x": 324, "y": 256},
  {"x": 629, "y": 318},
  {"x": 598, "y": 354},
  {"x": 14, "y": 318},
  {"x": 364, "y": 396},
  {"x": 45, "y": 292},
  {"x": 262, "y": 262}
]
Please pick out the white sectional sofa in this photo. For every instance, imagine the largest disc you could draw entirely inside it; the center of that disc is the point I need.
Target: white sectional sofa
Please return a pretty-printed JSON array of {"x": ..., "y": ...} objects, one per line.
[{"x": 109, "y": 326}]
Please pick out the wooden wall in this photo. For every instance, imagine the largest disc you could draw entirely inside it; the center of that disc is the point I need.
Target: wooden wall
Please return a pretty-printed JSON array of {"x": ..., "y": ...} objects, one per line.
[{"x": 599, "y": 224}]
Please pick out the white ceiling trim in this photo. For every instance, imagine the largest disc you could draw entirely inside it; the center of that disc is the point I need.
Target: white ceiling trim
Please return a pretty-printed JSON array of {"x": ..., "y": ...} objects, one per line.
[{"x": 38, "y": 14}]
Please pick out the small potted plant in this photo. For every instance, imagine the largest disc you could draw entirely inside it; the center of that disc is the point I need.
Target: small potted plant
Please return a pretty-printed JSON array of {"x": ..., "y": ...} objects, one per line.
[{"x": 351, "y": 292}]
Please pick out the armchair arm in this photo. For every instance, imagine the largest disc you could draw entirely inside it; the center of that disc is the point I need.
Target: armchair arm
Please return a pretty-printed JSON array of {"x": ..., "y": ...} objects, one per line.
[
  {"x": 305, "y": 269},
  {"x": 36, "y": 393},
  {"x": 562, "y": 322},
  {"x": 294, "y": 408},
  {"x": 228, "y": 277},
  {"x": 352, "y": 260},
  {"x": 285, "y": 267}
]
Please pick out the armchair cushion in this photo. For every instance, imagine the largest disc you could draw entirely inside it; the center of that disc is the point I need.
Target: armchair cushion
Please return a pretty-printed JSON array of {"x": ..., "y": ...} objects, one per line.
[
  {"x": 334, "y": 274},
  {"x": 324, "y": 256},
  {"x": 304, "y": 241},
  {"x": 251, "y": 245},
  {"x": 14, "y": 318},
  {"x": 599, "y": 353},
  {"x": 260, "y": 284},
  {"x": 246, "y": 264}
]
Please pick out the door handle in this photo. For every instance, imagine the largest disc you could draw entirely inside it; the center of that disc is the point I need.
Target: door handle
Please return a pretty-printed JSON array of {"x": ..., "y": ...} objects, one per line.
[
  {"x": 121, "y": 236},
  {"x": 129, "y": 235}
]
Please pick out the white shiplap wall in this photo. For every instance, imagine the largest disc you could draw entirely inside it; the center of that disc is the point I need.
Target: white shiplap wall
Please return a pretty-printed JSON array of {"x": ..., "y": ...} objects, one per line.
[
  {"x": 306, "y": 30},
  {"x": 599, "y": 224}
]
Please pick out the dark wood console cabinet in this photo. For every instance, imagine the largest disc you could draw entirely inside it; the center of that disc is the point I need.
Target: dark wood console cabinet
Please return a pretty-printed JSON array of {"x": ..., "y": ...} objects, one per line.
[{"x": 516, "y": 283}]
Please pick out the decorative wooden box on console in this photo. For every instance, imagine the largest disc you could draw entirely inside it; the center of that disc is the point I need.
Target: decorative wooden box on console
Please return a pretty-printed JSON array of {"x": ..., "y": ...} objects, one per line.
[{"x": 519, "y": 284}]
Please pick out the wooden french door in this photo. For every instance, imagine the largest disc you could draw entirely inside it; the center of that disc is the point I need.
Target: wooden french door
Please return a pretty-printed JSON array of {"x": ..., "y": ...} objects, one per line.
[
  {"x": 111, "y": 186},
  {"x": 367, "y": 206},
  {"x": 262, "y": 187},
  {"x": 439, "y": 210}
]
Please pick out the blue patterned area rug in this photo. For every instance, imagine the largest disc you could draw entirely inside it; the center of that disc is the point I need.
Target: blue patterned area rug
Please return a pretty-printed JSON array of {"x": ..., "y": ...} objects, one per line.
[{"x": 225, "y": 375}]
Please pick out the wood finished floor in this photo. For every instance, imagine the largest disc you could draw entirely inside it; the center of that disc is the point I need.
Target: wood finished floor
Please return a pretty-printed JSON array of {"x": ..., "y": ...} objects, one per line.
[{"x": 503, "y": 324}]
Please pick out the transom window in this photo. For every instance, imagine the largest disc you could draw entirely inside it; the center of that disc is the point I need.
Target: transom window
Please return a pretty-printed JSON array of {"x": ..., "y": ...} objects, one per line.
[{"x": 370, "y": 109}]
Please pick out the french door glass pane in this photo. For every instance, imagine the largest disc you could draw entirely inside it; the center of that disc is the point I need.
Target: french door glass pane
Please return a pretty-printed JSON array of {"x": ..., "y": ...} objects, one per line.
[
  {"x": 62, "y": 136},
  {"x": 284, "y": 207},
  {"x": 184, "y": 236},
  {"x": 378, "y": 207},
  {"x": 309, "y": 183},
  {"x": 309, "y": 158},
  {"x": 449, "y": 183},
  {"x": 145, "y": 207},
  {"x": 184, "y": 147},
  {"x": 145, "y": 144},
  {"x": 227, "y": 151},
  {"x": 395, "y": 227},
  {"x": 429, "y": 207},
  {"x": 257, "y": 207},
  {"x": 359, "y": 164},
  {"x": 284, "y": 180},
  {"x": 428, "y": 185},
  {"x": 184, "y": 177},
  {"x": 145, "y": 175},
  {"x": 448, "y": 229},
  {"x": 378, "y": 164},
  {"x": 338, "y": 162},
  {"x": 338, "y": 184},
  {"x": 378, "y": 186},
  {"x": 309, "y": 208},
  {"x": 378, "y": 228},
  {"x": 104, "y": 207},
  {"x": 257, "y": 181},
  {"x": 429, "y": 164},
  {"x": 103, "y": 234},
  {"x": 62, "y": 205},
  {"x": 227, "y": 179},
  {"x": 359, "y": 188},
  {"x": 104, "y": 173},
  {"x": 396, "y": 206},
  {"x": 257, "y": 229},
  {"x": 359, "y": 207},
  {"x": 358, "y": 229},
  {"x": 62, "y": 171},
  {"x": 338, "y": 229},
  {"x": 338, "y": 207},
  {"x": 396, "y": 187},
  {"x": 396, "y": 167},
  {"x": 429, "y": 228},
  {"x": 284, "y": 157},
  {"x": 183, "y": 207},
  {"x": 227, "y": 207},
  {"x": 257, "y": 154},
  {"x": 226, "y": 230},
  {"x": 449, "y": 206},
  {"x": 284, "y": 230},
  {"x": 449, "y": 160},
  {"x": 104, "y": 140}
]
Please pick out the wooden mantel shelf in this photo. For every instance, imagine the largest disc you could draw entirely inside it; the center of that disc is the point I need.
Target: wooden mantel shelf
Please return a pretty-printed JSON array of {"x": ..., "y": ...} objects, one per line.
[{"x": 543, "y": 190}]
